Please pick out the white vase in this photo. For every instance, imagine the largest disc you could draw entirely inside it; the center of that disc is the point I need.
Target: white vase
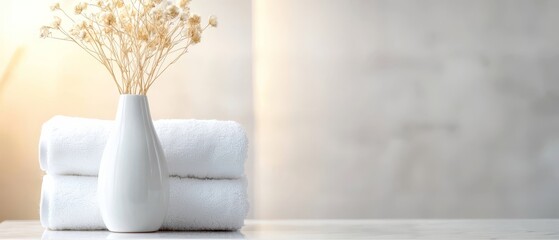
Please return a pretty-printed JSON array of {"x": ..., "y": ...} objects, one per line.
[{"x": 133, "y": 189}]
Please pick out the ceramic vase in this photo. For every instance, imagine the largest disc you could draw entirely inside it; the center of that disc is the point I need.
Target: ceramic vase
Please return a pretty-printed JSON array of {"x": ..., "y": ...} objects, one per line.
[{"x": 133, "y": 187}]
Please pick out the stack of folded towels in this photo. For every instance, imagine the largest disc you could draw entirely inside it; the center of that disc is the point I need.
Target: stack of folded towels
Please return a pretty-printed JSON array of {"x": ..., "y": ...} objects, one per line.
[{"x": 208, "y": 190}]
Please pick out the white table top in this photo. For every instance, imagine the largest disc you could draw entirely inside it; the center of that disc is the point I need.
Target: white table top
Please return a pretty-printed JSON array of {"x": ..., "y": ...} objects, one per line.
[{"x": 322, "y": 229}]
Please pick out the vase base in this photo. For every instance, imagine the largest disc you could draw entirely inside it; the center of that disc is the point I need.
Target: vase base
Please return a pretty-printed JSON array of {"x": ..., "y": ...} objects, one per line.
[{"x": 133, "y": 231}]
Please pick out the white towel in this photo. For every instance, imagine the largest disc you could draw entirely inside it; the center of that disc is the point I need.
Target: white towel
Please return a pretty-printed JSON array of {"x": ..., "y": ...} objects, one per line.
[
  {"x": 193, "y": 148},
  {"x": 70, "y": 203}
]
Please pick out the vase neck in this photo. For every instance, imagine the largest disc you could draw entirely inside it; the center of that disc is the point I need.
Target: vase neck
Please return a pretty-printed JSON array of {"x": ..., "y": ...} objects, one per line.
[{"x": 133, "y": 106}]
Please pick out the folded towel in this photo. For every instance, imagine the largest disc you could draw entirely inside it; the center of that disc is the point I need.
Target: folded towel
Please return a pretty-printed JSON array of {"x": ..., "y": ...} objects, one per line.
[
  {"x": 193, "y": 148},
  {"x": 70, "y": 203}
]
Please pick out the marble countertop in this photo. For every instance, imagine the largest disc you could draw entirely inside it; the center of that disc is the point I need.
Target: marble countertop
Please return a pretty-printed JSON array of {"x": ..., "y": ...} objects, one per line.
[{"x": 322, "y": 229}]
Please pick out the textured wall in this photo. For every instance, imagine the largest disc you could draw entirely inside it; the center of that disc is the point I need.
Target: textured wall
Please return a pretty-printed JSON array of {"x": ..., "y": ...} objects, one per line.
[{"x": 406, "y": 108}]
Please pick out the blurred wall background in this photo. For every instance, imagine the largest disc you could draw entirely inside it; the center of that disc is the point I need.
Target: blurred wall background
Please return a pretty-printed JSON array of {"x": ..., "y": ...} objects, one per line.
[
  {"x": 406, "y": 108},
  {"x": 354, "y": 109}
]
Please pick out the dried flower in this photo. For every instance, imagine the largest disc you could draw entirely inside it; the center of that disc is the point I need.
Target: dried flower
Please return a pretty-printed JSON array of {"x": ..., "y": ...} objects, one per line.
[
  {"x": 56, "y": 22},
  {"x": 82, "y": 34},
  {"x": 184, "y": 4},
  {"x": 195, "y": 34},
  {"x": 143, "y": 35},
  {"x": 172, "y": 11},
  {"x": 128, "y": 27},
  {"x": 109, "y": 19},
  {"x": 156, "y": 14},
  {"x": 194, "y": 20},
  {"x": 82, "y": 25},
  {"x": 45, "y": 31},
  {"x": 55, "y": 6},
  {"x": 119, "y": 3},
  {"x": 136, "y": 41},
  {"x": 213, "y": 21},
  {"x": 75, "y": 31},
  {"x": 78, "y": 9}
]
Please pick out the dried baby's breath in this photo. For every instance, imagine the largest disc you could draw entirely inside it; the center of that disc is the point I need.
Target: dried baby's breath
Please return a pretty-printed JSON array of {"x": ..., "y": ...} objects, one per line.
[
  {"x": 184, "y": 4},
  {"x": 213, "y": 21},
  {"x": 78, "y": 9},
  {"x": 172, "y": 11},
  {"x": 55, "y": 6},
  {"x": 136, "y": 40},
  {"x": 194, "y": 20},
  {"x": 45, "y": 31},
  {"x": 56, "y": 22}
]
